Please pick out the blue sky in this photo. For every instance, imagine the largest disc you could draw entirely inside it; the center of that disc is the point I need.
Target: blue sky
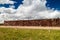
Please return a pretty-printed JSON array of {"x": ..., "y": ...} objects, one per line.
[
  {"x": 53, "y": 4},
  {"x": 18, "y": 2},
  {"x": 50, "y": 3}
]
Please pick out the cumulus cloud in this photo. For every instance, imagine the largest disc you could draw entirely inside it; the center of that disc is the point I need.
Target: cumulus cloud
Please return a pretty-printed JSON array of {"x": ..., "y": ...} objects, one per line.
[
  {"x": 5, "y": 12},
  {"x": 36, "y": 9},
  {"x": 30, "y": 10},
  {"x": 6, "y": 2}
]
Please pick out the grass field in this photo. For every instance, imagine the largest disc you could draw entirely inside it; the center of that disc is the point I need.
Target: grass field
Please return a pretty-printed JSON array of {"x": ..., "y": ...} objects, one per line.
[{"x": 28, "y": 34}]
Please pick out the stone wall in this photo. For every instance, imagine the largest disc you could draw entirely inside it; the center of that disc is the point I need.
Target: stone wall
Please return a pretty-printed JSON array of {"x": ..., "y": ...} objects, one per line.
[{"x": 44, "y": 22}]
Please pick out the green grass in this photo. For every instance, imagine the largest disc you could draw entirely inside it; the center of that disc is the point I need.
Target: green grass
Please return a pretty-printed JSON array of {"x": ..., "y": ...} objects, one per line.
[{"x": 29, "y": 34}]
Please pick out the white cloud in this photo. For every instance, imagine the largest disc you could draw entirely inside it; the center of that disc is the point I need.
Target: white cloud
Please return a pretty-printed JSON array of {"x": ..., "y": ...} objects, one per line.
[
  {"x": 6, "y": 2},
  {"x": 5, "y": 12},
  {"x": 30, "y": 10},
  {"x": 36, "y": 9}
]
